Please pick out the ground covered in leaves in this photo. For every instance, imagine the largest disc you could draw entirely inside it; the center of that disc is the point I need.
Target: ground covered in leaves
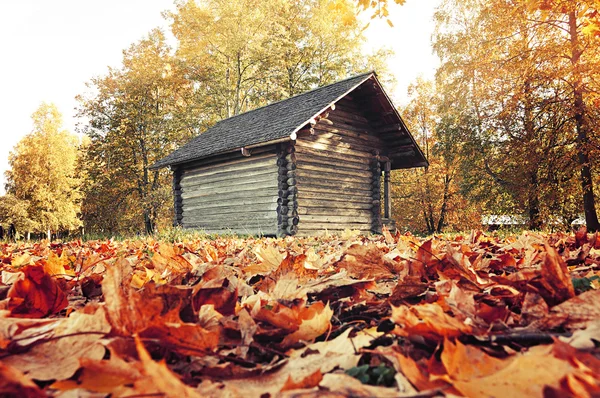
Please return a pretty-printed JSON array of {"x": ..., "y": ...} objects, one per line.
[{"x": 381, "y": 316}]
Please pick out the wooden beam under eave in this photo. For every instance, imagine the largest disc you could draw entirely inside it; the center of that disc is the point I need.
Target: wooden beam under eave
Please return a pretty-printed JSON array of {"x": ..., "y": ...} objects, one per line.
[{"x": 388, "y": 128}]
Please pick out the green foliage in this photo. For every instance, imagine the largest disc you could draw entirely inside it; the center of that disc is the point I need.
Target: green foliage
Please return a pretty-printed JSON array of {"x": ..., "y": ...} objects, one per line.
[
  {"x": 374, "y": 375},
  {"x": 584, "y": 284}
]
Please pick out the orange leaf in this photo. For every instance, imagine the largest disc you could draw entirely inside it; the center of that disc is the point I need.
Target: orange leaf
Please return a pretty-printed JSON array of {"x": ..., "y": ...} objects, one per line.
[
  {"x": 428, "y": 320},
  {"x": 366, "y": 262},
  {"x": 36, "y": 295},
  {"x": 310, "y": 381},
  {"x": 463, "y": 362},
  {"x": 13, "y": 383}
]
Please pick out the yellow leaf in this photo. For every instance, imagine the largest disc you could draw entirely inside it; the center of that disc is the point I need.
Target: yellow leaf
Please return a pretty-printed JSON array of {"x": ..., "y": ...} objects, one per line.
[{"x": 316, "y": 321}]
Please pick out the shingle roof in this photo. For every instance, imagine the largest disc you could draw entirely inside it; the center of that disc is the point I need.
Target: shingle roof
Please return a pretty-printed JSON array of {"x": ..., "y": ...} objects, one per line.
[{"x": 272, "y": 122}]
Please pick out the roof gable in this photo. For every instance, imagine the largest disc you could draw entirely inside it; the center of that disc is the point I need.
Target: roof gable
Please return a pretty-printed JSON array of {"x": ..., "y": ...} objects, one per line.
[{"x": 272, "y": 122}]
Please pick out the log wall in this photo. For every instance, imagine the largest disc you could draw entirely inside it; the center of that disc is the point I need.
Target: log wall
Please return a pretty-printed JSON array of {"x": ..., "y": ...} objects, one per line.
[
  {"x": 232, "y": 193},
  {"x": 177, "y": 201},
  {"x": 336, "y": 173}
]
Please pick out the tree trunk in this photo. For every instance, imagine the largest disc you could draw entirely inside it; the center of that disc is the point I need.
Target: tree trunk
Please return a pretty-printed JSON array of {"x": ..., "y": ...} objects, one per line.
[
  {"x": 48, "y": 235},
  {"x": 533, "y": 203},
  {"x": 148, "y": 223},
  {"x": 589, "y": 205},
  {"x": 445, "y": 197}
]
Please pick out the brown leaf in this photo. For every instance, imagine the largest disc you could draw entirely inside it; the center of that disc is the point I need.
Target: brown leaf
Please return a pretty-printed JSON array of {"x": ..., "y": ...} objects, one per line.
[
  {"x": 555, "y": 278},
  {"x": 366, "y": 262},
  {"x": 219, "y": 293},
  {"x": 314, "y": 321},
  {"x": 527, "y": 375},
  {"x": 13, "y": 383},
  {"x": 36, "y": 295},
  {"x": 427, "y": 320},
  {"x": 57, "y": 357},
  {"x": 578, "y": 312},
  {"x": 464, "y": 362},
  {"x": 156, "y": 380},
  {"x": 411, "y": 286}
]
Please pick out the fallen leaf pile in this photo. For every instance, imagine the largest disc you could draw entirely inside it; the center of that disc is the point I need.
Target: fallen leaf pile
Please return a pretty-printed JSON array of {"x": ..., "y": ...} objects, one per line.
[{"x": 384, "y": 316}]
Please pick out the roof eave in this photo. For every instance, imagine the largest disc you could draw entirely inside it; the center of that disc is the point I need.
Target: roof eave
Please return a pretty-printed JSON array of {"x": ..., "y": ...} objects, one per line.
[{"x": 257, "y": 145}]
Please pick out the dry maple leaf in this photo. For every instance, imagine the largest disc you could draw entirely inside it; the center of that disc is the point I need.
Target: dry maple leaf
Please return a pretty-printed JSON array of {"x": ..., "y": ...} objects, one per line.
[
  {"x": 367, "y": 262},
  {"x": 577, "y": 312},
  {"x": 36, "y": 295},
  {"x": 527, "y": 375},
  {"x": 57, "y": 356},
  {"x": 13, "y": 383},
  {"x": 555, "y": 278},
  {"x": 309, "y": 381},
  {"x": 427, "y": 320},
  {"x": 464, "y": 362},
  {"x": 314, "y": 321}
]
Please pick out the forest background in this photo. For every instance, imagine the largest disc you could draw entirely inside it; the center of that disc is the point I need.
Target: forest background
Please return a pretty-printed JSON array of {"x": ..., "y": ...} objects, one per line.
[{"x": 509, "y": 124}]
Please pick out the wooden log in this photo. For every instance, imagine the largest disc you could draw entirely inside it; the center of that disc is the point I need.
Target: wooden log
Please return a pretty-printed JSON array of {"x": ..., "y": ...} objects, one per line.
[
  {"x": 349, "y": 115},
  {"x": 253, "y": 173},
  {"x": 352, "y": 198},
  {"x": 335, "y": 134},
  {"x": 228, "y": 189},
  {"x": 329, "y": 211},
  {"x": 234, "y": 165},
  {"x": 230, "y": 157},
  {"x": 292, "y": 229},
  {"x": 316, "y": 203},
  {"x": 292, "y": 213},
  {"x": 360, "y": 154},
  {"x": 332, "y": 181},
  {"x": 232, "y": 183},
  {"x": 368, "y": 219},
  {"x": 291, "y": 166},
  {"x": 202, "y": 209},
  {"x": 312, "y": 226},
  {"x": 388, "y": 128},
  {"x": 331, "y": 153},
  {"x": 267, "y": 231},
  {"x": 326, "y": 161},
  {"x": 242, "y": 201},
  {"x": 351, "y": 131},
  {"x": 235, "y": 195},
  {"x": 340, "y": 170},
  {"x": 233, "y": 219},
  {"x": 340, "y": 120},
  {"x": 290, "y": 158}
]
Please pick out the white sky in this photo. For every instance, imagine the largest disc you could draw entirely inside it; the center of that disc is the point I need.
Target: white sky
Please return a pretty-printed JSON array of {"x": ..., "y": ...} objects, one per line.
[{"x": 52, "y": 48}]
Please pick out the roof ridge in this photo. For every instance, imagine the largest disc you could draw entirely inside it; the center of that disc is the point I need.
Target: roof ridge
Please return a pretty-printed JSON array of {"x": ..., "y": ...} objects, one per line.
[{"x": 298, "y": 95}]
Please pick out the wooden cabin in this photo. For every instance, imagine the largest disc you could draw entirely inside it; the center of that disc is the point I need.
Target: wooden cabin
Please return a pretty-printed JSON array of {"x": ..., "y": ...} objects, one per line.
[{"x": 305, "y": 165}]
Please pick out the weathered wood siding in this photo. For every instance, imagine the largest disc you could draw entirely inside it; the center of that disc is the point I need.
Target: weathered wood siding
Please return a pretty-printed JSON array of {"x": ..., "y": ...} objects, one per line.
[
  {"x": 337, "y": 175},
  {"x": 232, "y": 193}
]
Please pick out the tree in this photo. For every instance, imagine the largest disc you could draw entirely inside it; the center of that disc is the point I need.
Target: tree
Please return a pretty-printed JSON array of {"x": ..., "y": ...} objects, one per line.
[
  {"x": 137, "y": 115},
  {"x": 428, "y": 200},
  {"x": 243, "y": 54},
  {"x": 231, "y": 56},
  {"x": 506, "y": 68},
  {"x": 42, "y": 181}
]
